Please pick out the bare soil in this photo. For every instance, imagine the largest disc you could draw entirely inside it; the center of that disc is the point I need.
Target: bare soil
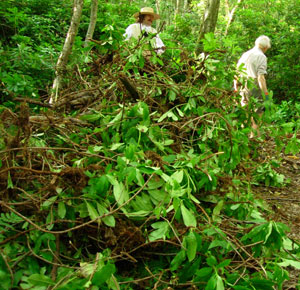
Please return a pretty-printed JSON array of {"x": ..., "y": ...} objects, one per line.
[{"x": 285, "y": 200}]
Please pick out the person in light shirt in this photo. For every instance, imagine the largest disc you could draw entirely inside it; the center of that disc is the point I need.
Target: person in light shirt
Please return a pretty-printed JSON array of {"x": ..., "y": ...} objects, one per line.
[
  {"x": 253, "y": 66},
  {"x": 144, "y": 19}
]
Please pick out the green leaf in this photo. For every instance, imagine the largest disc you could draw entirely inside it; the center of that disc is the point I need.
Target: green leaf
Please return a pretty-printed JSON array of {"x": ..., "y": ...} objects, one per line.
[
  {"x": 164, "y": 116},
  {"x": 120, "y": 193},
  {"x": 140, "y": 178},
  {"x": 148, "y": 170},
  {"x": 46, "y": 204},
  {"x": 269, "y": 231},
  {"x": 130, "y": 151},
  {"x": 177, "y": 261},
  {"x": 103, "y": 274},
  {"x": 172, "y": 95},
  {"x": 217, "y": 210},
  {"x": 181, "y": 114},
  {"x": 178, "y": 176},
  {"x": 262, "y": 284},
  {"x": 5, "y": 280},
  {"x": 188, "y": 217},
  {"x": 203, "y": 272},
  {"x": 223, "y": 264},
  {"x": 191, "y": 245},
  {"x": 142, "y": 128},
  {"x": 161, "y": 230},
  {"x": 287, "y": 263},
  {"x": 220, "y": 285},
  {"x": 116, "y": 146},
  {"x": 9, "y": 181},
  {"x": 92, "y": 211},
  {"x": 141, "y": 62},
  {"x": 40, "y": 280},
  {"x": 219, "y": 243},
  {"x": 62, "y": 209},
  {"x": 96, "y": 149},
  {"x": 211, "y": 261},
  {"x": 108, "y": 220},
  {"x": 154, "y": 183},
  {"x": 212, "y": 283}
]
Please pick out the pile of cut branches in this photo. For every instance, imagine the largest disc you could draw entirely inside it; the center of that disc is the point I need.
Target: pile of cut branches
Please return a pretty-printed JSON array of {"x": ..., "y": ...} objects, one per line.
[{"x": 138, "y": 178}]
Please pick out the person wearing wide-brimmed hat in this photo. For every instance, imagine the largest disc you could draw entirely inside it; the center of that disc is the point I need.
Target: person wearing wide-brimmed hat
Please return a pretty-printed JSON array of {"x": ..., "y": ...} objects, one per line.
[{"x": 144, "y": 19}]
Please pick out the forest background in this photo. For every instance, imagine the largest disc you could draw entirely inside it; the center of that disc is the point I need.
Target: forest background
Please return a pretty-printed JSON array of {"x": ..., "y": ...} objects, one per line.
[{"x": 140, "y": 174}]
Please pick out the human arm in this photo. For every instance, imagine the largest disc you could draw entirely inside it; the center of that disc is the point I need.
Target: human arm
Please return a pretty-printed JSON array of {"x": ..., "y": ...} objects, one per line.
[
  {"x": 261, "y": 72},
  {"x": 235, "y": 84},
  {"x": 159, "y": 45},
  {"x": 262, "y": 83}
]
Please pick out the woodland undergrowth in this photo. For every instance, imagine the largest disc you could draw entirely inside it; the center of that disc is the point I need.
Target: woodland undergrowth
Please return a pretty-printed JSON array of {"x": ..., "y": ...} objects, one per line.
[{"x": 139, "y": 177}]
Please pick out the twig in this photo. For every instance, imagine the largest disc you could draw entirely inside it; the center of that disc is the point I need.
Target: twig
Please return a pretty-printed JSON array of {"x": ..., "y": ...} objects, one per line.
[
  {"x": 283, "y": 199},
  {"x": 31, "y": 101},
  {"x": 58, "y": 149},
  {"x": 175, "y": 234},
  {"x": 56, "y": 259},
  {"x": 47, "y": 261},
  {"x": 171, "y": 282},
  {"x": 29, "y": 169},
  {"x": 14, "y": 237},
  {"x": 203, "y": 210},
  {"x": 79, "y": 226},
  {"x": 136, "y": 280},
  {"x": 8, "y": 267},
  {"x": 152, "y": 242}
]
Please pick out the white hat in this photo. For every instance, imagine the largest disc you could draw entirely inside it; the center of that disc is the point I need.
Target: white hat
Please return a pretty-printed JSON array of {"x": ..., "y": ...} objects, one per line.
[{"x": 146, "y": 11}]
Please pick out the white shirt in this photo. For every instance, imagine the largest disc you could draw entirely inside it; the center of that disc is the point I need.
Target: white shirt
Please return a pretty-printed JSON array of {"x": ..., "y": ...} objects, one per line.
[
  {"x": 254, "y": 61},
  {"x": 134, "y": 30}
]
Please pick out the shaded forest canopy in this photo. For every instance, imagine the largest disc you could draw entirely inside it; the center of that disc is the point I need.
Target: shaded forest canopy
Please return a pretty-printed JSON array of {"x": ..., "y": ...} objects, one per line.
[{"x": 141, "y": 174}]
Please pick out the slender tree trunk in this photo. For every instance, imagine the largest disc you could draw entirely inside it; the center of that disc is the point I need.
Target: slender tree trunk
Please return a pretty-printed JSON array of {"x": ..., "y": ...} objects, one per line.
[
  {"x": 93, "y": 20},
  {"x": 176, "y": 12},
  {"x": 177, "y": 9},
  {"x": 227, "y": 8},
  {"x": 67, "y": 49},
  {"x": 157, "y": 5},
  {"x": 210, "y": 18},
  {"x": 185, "y": 5},
  {"x": 231, "y": 14}
]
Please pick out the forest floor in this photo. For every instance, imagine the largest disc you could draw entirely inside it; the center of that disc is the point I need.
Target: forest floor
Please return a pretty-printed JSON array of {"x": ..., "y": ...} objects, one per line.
[{"x": 285, "y": 200}]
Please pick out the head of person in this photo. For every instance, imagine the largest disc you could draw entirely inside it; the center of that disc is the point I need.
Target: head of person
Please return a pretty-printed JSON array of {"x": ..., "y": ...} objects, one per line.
[
  {"x": 263, "y": 42},
  {"x": 146, "y": 16}
]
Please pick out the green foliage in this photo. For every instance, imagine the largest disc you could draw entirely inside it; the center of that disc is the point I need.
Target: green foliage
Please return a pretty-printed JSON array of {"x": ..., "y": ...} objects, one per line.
[
  {"x": 277, "y": 20},
  {"x": 266, "y": 174},
  {"x": 29, "y": 45}
]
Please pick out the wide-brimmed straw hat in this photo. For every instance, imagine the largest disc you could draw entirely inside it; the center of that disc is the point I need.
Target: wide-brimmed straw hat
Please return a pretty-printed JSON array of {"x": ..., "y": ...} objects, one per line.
[{"x": 146, "y": 11}]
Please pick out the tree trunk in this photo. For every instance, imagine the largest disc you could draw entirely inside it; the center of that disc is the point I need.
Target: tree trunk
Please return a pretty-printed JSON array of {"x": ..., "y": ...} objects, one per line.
[
  {"x": 185, "y": 5},
  {"x": 93, "y": 20},
  {"x": 67, "y": 49},
  {"x": 227, "y": 8},
  {"x": 177, "y": 9},
  {"x": 210, "y": 18},
  {"x": 157, "y": 5},
  {"x": 231, "y": 14}
]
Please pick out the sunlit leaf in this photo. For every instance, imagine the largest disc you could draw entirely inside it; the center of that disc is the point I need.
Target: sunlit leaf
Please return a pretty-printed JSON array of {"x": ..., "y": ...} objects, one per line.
[
  {"x": 61, "y": 209},
  {"x": 188, "y": 217},
  {"x": 101, "y": 276}
]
